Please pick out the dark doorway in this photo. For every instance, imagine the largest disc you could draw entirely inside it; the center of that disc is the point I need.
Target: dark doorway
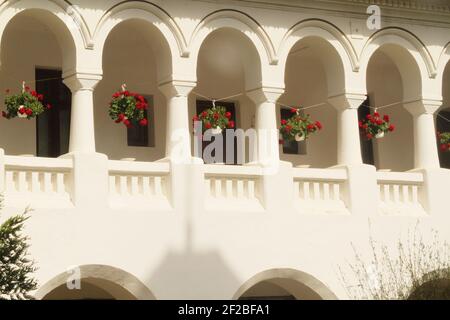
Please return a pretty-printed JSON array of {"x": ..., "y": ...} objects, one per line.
[
  {"x": 443, "y": 125},
  {"x": 53, "y": 126},
  {"x": 202, "y": 105},
  {"x": 366, "y": 145}
]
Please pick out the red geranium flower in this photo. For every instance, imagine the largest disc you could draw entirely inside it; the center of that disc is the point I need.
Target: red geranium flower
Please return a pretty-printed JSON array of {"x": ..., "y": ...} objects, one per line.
[
  {"x": 386, "y": 118},
  {"x": 208, "y": 125},
  {"x": 369, "y": 136},
  {"x": 228, "y": 115},
  {"x": 49, "y": 106},
  {"x": 293, "y": 110},
  {"x": 391, "y": 128},
  {"x": 319, "y": 125},
  {"x": 283, "y": 122},
  {"x": 29, "y": 112},
  {"x": 231, "y": 124},
  {"x": 143, "y": 122},
  {"x": 444, "y": 147}
]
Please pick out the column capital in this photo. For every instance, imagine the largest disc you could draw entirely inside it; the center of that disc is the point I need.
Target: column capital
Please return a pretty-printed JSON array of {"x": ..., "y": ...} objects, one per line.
[
  {"x": 177, "y": 88},
  {"x": 82, "y": 81},
  {"x": 423, "y": 106},
  {"x": 265, "y": 94},
  {"x": 347, "y": 100}
]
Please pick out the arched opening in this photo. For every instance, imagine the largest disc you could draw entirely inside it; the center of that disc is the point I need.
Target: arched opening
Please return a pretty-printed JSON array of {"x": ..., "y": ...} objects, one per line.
[
  {"x": 284, "y": 284},
  {"x": 228, "y": 66},
  {"x": 95, "y": 282},
  {"x": 37, "y": 47},
  {"x": 435, "y": 289},
  {"x": 314, "y": 72},
  {"x": 443, "y": 119},
  {"x": 90, "y": 289},
  {"x": 136, "y": 54},
  {"x": 393, "y": 79}
]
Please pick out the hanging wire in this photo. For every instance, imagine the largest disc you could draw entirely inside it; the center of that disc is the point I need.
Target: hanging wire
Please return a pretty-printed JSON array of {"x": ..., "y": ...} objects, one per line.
[{"x": 214, "y": 101}]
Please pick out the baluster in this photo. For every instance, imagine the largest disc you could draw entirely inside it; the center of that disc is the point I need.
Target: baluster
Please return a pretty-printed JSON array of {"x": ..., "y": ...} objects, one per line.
[
  {"x": 415, "y": 194},
  {"x": 134, "y": 185},
  {"x": 336, "y": 192},
  {"x": 10, "y": 181},
  {"x": 387, "y": 193},
  {"x": 158, "y": 186},
  {"x": 48, "y": 182},
  {"x": 35, "y": 183},
  {"x": 60, "y": 183},
  {"x": 218, "y": 187},
  {"x": 240, "y": 188},
  {"x": 306, "y": 191},
  {"x": 146, "y": 186},
  {"x": 396, "y": 193},
  {"x": 251, "y": 189},
  {"x": 326, "y": 191},
  {"x": 405, "y": 191},
  {"x": 22, "y": 180},
  {"x": 229, "y": 188},
  {"x": 123, "y": 185}
]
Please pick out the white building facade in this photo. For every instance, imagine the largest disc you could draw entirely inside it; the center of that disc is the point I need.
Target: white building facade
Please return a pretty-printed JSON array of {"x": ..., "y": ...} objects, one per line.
[{"x": 148, "y": 221}]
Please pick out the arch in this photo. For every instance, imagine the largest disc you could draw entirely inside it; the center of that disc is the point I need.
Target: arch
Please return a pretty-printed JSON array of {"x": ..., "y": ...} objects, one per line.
[
  {"x": 105, "y": 277},
  {"x": 444, "y": 59},
  {"x": 237, "y": 20},
  {"x": 246, "y": 56},
  {"x": 434, "y": 285},
  {"x": 404, "y": 38},
  {"x": 410, "y": 56},
  {"x": 59, "y": 16},
  {"x": 322, "y": 29},
  {"x": 146, "y": 11},
  {"x": 299, "y": 277}
]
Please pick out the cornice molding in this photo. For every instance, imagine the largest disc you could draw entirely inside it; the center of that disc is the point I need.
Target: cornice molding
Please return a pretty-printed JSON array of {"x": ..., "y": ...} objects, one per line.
[{"x": 411, "y": 11}]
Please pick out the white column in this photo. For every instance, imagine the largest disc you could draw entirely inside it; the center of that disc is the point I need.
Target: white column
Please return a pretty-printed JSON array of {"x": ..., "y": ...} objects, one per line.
[
  {"x": 178, "y": 127},
  {"x": 425, "y": 146},
  {"x": 349, "y": 146},
  {"x": 82, "y": 133},
  {"x": 266, "y": 125}
]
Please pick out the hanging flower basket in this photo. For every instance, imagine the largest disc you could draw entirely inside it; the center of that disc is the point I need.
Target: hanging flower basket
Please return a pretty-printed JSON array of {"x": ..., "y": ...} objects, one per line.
[
  {"x": 215, "y": 119},
  {"x": 26, "y": 105},
  {"x": 128, "y": 108},
  {"x": 298, "y": 128},
  {"x": 376, "y": 126},
  {"x": 444, "y": 141}
]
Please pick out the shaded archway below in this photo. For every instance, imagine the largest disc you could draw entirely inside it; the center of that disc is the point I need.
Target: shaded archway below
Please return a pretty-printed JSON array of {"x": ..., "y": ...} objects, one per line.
[
  {"x": 284, "y": 284},
  {"x": 95, "y": 282}
]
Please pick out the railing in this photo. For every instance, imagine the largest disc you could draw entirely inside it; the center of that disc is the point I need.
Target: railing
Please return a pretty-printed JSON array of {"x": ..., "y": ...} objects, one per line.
[
  {"x": 320, "y": 190},
  {"x": 400, "y": 193},
  {"x": 232, "y": 188},
  {"x": 139, "y": 185},
  {"x": 37, "y": 182}
]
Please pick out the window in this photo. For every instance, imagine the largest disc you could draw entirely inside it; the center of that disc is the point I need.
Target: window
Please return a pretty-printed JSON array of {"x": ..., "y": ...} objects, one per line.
[
  {"x": 442, "y": 125},
  {"x": 53, "y": 126},
  {"x": 292, "y": 147},
  {"x": 139, "y": 136},
  {"x": 202, "y": 105},
  {"x": 366, "y": 145}
]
